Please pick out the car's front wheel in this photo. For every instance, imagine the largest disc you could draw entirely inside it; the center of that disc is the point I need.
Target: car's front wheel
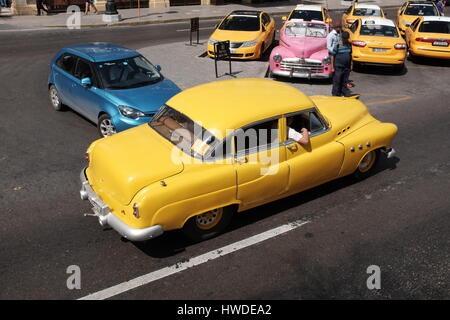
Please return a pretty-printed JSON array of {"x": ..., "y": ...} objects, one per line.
[
  {"x": 105, "y": 126},
  {"x": 54, "y": 98},
  {"x": 366, "y": 165},
  {"x": 207, "y": 225}
]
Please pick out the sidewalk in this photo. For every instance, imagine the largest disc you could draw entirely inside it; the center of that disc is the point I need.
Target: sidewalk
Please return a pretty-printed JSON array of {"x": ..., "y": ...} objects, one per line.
[{"x": 173, "y": 14}]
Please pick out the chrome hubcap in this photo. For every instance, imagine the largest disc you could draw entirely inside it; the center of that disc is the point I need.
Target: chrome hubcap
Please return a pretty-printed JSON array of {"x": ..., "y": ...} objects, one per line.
[
  {"x": 366, "y": 163},
  {"x": 208, "y": 219},
  {"x": 54, "y": 97},
  {"x": 107, "y": 128}
]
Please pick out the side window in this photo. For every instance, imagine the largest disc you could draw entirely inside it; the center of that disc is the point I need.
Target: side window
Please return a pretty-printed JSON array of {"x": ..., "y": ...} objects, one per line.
[
  {"x": 308, "y": 120},
  {"x": 67, "y": 63},
  {"x": 414, "y": 24},
  {"x": 354, "y": 26},
  {"x": 349, "y": 10},
  {"x": 83, "y": 70},
  {"x": 315, "y": 124},
  {"x": 265, "y": 18},
  {"x": 256, "y": 137}
]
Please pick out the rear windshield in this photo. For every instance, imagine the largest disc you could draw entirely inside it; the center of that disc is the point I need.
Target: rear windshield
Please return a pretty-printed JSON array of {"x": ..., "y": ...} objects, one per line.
[
  {"x": 421, "y": 10},
  {"x": 240, "y": 23},
  {"x": 305, "y": 29},
  {"x": 307, "y": 15},
  {"x": 435, "y": 27},
  {"x": 379, "y": 31},
  {"x": 365, "y": 12}
]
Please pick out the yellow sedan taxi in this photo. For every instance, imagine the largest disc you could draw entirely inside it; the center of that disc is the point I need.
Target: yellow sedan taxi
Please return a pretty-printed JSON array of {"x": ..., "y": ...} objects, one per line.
[
  {"x": 429, "y": 37},
  {"x": 250, "y": 34},
  {"x": 377, "y": 41},
  {"x": 411, "y": 10},
  {"x": 308, "y": 13},
  {"x": 359, "y": 11},
  {"x": 224, "y": 147}
]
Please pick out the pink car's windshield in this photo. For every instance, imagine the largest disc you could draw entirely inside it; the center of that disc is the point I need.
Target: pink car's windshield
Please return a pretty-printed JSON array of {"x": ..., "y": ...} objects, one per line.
[{"x": 305, "y": 29}]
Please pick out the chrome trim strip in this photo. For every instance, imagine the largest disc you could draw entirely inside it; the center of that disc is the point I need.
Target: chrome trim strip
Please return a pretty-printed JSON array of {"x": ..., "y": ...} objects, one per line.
[
  {"x": 106, "y": 218},
  {"x": 301, "y": 75}
]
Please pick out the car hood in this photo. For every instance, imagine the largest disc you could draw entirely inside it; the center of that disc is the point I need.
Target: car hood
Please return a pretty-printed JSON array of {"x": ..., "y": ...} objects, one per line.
[
  {"x": 147, "y": 99},
  {"x": 304, "y": 47},
  {"x": 235, "y": 36},
  {"x": 124, "y": 163}
]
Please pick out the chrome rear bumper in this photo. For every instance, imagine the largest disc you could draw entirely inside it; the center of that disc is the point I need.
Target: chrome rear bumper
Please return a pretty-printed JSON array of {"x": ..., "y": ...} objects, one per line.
[{"x": 106, "y": 218}]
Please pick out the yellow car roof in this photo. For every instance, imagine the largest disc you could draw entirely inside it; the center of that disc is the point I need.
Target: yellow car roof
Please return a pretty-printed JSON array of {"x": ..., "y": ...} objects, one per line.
[{"x": 231, "y": 104}]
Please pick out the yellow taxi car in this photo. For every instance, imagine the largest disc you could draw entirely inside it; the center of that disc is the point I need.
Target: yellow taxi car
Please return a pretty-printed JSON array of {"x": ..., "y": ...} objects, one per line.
[
  {"x": 308, "y": 13},
  {"x": 377, "y": 41},
  {"x": 250, "y": 34},
  {"x": 429, "y": 37},
  {"x": 192, "y": 168},
  {"x": 411, "y": 10},
  {"x": 360, "y": 10}
]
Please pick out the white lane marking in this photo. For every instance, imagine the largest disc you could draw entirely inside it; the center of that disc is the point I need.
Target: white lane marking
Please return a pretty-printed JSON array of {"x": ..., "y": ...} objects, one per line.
[
  {"x": 181, "y": 266},
  {"x": 205, "y": 28}
]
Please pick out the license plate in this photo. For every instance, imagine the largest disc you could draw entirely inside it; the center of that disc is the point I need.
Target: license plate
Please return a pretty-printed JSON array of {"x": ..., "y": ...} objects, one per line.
[
  {"x": 440, "y": 43},
  {"x": 379, "y": 50}
]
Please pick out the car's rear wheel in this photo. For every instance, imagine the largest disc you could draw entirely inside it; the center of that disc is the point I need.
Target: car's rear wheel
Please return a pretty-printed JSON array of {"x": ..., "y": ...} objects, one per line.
[
  {"x": 367, "y": 164},
  {"x": 54, "y": 98},
  {"x": 207, "y": 225},
  {"x": 105, "y": 126}
]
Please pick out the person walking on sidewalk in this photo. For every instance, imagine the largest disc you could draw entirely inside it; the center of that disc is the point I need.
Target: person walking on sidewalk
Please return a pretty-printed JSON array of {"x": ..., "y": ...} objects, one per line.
[
  {"x": 39, "y": 7},
  {"x": 342, "y": 65},
  {"x": 88, "y": 5}
]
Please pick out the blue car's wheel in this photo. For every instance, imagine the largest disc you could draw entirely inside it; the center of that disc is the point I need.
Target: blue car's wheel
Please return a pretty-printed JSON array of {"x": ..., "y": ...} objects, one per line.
[
  {"x": 54, "y": 98},
  {"x": 106, "y": 126}
]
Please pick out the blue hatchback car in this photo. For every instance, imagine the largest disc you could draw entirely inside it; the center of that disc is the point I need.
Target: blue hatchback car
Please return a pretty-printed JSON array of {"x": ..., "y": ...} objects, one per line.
[{"x": 113, "y": 86}]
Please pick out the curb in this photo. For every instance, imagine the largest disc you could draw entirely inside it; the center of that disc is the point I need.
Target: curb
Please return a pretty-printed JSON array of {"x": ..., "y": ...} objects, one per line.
[{"x": 139, "y": 23}]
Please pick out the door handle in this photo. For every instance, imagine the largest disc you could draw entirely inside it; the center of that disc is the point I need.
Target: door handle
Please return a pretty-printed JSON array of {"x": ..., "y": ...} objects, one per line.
[{"x": 241, "y": 160}]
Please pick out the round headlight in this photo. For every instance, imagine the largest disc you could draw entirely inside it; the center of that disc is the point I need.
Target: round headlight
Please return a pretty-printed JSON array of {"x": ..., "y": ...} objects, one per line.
[{"x": 277, "y": 58}]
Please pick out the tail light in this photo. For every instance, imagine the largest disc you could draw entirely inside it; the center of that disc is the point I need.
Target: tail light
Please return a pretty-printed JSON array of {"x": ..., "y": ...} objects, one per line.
[
  {"x": 360, "y": 44},
  {"x": 400, "y": 46},
  {"x": 136, "y": 210},
  {"x": 349, "y": 21},
  {"x": 431, "y": 40}
]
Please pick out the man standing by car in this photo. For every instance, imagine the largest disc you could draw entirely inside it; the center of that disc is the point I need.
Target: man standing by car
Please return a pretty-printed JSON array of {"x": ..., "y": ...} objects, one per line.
[
  {"x": 333, "y": 39},
  {"x": 342, "y": 64},
  {"x": 440, "y": 5}
]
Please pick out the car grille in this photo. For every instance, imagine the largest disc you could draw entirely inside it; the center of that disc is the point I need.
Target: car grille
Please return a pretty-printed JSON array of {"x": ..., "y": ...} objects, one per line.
[
  {"x": 301, "y": 65},
  {"x": 235, "y": 45}
]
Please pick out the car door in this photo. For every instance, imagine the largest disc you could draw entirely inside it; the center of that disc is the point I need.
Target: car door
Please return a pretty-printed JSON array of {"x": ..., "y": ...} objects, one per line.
[
  {"x": 260, "y": 163},
  {"x": 409, "y": 33},
  {"x": 268, "y": 30},
  {"x": 63, "y": 78},
  {"x": 317, "y": 162},
  {"x": 87, "y": 98}
]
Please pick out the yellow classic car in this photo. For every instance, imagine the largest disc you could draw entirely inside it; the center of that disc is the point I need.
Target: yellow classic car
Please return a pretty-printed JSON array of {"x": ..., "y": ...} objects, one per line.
[
  {"x": 309, "y": 13},
  {"x": 224, "y": 147},
  {"x": 429, "y": 37},
  {"x": 360, "y": 10},
  {"x": 250, "y": 34},
  {"x": 411, "y": 10},
  {"x": 377, "y": 41}
]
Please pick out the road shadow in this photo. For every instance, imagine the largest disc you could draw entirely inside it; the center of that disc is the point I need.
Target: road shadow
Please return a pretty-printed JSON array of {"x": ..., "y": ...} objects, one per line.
[
  {"x": 380, "y": 70},
  {"x": 433, "y": 62},
  {"x": 174, "y": 242}
]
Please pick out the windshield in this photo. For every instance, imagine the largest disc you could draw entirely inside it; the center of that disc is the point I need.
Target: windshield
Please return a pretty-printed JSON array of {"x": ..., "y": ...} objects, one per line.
[
  {"x": 435, "y": 27},
  {"x": 183, "y": 132},
  {"x": 304, "y": 29},
  {"x": 378, "y": 30},
  {"x": 421, "y": 10},
  {"x": 365, "y": 12},
  {"x": 240, "y": 23},
  {"x": 306, "y": 15},
  {"x": 127, "y": 73}
]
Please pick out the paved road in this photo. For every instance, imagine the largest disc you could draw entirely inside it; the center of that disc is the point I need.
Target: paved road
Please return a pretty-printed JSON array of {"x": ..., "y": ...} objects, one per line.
[{"x": 397, "y": 219}]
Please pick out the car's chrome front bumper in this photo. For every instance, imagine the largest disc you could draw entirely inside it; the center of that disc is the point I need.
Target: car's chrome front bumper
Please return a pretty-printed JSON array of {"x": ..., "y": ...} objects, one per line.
[
  {"x": 106, "y": 218},
  {"x": 390, "y": 152},
  {"x": 292, "y": 74}
]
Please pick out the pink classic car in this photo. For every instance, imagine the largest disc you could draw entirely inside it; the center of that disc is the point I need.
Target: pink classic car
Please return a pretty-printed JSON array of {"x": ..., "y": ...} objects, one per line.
[{"x": 302, "y": 52}]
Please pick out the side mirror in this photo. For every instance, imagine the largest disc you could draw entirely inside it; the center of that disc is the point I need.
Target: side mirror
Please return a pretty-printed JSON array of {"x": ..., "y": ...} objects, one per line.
[
  {"x": 86, "y": 82},
  {"x": 158, "y": 67},
  {"x": 284, "y": 18}
]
